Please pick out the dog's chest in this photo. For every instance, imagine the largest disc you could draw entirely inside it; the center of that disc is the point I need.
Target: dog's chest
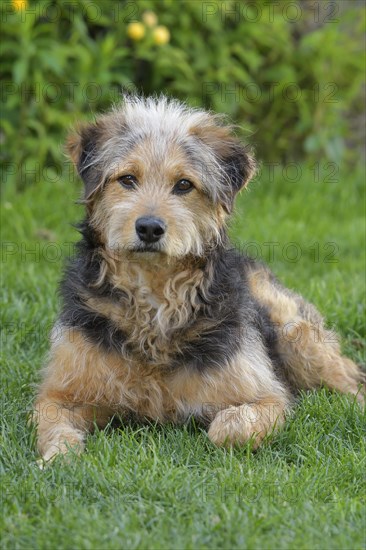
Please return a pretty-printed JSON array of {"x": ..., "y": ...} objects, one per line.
[
  {"x": 157, "y": 312},
  {"x": 155, "y": 325},
  {"x": 150, "y": 392}
]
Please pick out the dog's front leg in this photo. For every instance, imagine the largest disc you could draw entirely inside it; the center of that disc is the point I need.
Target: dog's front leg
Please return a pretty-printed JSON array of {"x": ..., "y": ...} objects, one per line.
[
  {"x": 62, "y": 427},
  {"x": 237, "y": 425},
  {"x": 79, "y": 385}
]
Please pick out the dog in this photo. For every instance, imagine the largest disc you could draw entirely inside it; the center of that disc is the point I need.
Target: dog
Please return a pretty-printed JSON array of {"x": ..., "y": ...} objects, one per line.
[{"x": 161, "y": 317}]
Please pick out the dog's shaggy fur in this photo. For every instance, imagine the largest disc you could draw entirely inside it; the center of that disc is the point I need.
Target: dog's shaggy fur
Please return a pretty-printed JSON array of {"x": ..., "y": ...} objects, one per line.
[{"x": 164, "y": 319}]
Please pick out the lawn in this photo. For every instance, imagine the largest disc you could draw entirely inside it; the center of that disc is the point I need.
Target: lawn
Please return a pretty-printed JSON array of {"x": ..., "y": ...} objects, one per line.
[{"x": 153, "y": 487}]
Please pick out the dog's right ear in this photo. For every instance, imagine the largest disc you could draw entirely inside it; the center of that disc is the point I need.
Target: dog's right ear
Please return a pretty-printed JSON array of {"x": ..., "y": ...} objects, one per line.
[{"x": 82, "y": 147}]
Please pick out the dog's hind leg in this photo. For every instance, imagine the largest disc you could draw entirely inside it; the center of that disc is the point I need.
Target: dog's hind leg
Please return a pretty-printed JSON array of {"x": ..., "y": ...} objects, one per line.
[
  {"x": 312, "y": 357},
  {"x": 308, "y": 352}
]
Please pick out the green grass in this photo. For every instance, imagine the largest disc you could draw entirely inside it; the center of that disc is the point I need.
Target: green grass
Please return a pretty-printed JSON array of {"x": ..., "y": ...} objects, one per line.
[{"x": 153, "y": 487}]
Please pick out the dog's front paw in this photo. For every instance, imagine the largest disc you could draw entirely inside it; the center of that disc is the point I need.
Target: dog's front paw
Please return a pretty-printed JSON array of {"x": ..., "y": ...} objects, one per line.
[
  {"x": 68, "y": 449},
  {"x": 236, "y": 426},
  {"x": 68, "y": 443}
]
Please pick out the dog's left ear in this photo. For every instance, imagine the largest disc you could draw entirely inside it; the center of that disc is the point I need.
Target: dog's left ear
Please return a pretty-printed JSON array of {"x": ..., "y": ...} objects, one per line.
[
  {"x": 238, "y": 165},
  {"x": 235, "y": 159},
  {"x": 238, "y": 168}
]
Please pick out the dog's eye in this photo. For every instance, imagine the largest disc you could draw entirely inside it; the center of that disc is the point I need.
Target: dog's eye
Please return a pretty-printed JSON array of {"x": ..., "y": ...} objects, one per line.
[
  {"x": 128, "y": 181},
  {"x": 183, "y": 186}
]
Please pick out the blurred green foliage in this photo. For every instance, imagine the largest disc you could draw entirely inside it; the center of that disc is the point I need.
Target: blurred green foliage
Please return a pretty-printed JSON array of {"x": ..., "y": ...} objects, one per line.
[{"x": 289, "y": 73}]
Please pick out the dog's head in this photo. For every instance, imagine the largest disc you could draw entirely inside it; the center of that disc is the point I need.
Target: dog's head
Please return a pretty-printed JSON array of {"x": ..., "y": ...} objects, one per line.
[{"x": 159, "y": 177}]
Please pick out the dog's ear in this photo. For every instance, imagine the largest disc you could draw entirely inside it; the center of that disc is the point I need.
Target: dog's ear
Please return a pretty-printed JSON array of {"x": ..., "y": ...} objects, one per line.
[
  {"x": 235, "y": 159},
  {"x": 239, "y": 167},
  {"x": 82, "y": 147}
]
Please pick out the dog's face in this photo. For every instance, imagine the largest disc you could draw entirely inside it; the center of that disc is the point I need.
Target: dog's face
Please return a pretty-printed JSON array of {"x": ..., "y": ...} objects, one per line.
[{"x": 159, "y": 177}]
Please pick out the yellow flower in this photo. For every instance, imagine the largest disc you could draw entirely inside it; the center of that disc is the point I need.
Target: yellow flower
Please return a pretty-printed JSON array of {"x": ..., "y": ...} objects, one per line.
[
  {"x": 19, "y": 5},
  {"x": 136, "y": 31},
  {"x": 161, "y": 35},
  {"x": 150, "y": 18}
]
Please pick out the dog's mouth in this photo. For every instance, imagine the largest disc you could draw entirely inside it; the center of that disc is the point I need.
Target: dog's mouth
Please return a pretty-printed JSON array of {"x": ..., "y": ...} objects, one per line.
[
  {"x": 141, "y": 248},
  {"x": 119, "y": 251}
]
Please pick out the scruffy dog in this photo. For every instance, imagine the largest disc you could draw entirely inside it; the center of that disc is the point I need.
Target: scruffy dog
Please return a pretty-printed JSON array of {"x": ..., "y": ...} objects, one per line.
[{"x": 161, "y": 318}]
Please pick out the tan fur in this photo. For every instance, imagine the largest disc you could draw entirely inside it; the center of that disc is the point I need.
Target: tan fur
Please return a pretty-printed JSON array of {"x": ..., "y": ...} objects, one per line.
[
  {"x": 84, "y": 383},
  {"x": 310, "y": 353},
  {"x": 237, "y": 425},
  {"x": 71, "y": 400}
]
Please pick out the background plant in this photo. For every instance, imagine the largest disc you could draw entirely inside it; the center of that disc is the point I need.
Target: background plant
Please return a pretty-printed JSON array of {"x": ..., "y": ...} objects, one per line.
[{"x": 292, "y": 79}]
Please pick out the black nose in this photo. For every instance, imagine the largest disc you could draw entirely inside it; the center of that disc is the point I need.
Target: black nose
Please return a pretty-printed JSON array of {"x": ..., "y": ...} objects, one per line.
[{"x": 150, "y": 229}]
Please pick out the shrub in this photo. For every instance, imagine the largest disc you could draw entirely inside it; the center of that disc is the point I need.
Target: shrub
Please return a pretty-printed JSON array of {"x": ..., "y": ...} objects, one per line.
[{"x": 287, "y": 73}]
